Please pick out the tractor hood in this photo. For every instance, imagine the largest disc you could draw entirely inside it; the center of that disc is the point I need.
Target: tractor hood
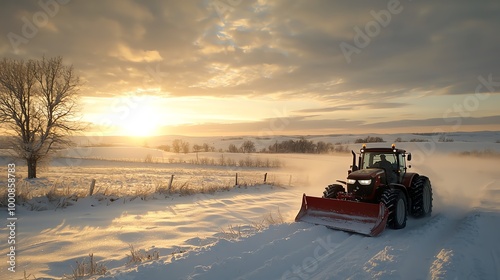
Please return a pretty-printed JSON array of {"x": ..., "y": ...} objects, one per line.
[
  {"x": 365, "y": 174},
  {"x": 362, "y": 183}
]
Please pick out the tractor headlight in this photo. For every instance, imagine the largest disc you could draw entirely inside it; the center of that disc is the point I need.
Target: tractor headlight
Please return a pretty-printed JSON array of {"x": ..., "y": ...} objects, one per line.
[
  {"x": 351, "y": 181},
  {"x": 365, "y": 182}
]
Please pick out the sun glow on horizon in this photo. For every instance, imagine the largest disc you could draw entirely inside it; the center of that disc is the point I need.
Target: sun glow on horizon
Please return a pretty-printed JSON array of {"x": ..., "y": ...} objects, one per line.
[
  {"x": 142, "y": 121},
  {"x": 131, "y": 115},
  {"x": 142, "y": 115}
]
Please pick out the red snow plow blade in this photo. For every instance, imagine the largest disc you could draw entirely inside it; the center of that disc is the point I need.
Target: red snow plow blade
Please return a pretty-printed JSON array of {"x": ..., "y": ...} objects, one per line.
[{"x": 352, "y": 216}]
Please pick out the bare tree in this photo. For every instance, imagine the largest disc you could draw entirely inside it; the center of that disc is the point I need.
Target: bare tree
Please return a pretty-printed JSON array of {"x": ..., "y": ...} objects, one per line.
[
  {"x": 37, "y": 104},
  {"x": 185, "y": 147},
  {"x": 248, "y": 147},
  {"x": 232, "y": 148},
  {"x": 176, "y": 145},
  {"x": 197, "y": 148}
]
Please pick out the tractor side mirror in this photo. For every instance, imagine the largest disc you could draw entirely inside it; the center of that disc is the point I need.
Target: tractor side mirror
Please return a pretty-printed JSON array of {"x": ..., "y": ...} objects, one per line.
[{"x": 408, "y": 157}]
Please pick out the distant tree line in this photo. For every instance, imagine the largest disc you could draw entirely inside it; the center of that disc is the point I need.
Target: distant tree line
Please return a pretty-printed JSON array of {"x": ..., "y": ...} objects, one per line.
[
  {"x": 246, "y": 147},
  {"x": 369, "y": 139},
  {"x": 306, "y": 147},
  {"x": 288, "y": 146},
  {"x": 203, "y": 148},
  {"x": 179, "y": 146},
  {"x": 399, "y": 139}
]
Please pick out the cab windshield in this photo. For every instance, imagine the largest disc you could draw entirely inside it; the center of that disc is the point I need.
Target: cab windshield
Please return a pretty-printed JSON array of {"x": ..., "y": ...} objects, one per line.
[{"x": 379, "y": 160}]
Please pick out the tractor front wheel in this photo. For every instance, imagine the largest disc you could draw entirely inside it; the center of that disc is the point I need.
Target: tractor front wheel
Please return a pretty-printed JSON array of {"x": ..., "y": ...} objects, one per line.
[
  {"x": 395, "y": 201},
  {"x": 332, "y": 190}
]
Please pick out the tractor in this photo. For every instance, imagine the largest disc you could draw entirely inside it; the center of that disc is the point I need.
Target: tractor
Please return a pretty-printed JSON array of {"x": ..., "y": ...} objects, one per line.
[{"x": 379, "y": 192}]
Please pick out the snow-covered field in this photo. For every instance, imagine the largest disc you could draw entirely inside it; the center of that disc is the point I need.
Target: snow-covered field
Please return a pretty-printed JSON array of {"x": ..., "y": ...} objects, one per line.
[{"x": 224, "y": 235}]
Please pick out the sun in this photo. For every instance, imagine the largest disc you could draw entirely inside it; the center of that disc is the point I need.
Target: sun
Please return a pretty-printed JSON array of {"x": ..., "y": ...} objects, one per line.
[
  {"x": 141, "y": 118},
  {"x": 140, "y": 123}
]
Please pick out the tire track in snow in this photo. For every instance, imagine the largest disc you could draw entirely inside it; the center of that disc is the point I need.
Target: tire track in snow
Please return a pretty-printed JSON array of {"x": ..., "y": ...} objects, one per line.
[
  {"x": 408, "y": 253},
  {"x": 423, "y": 246},
  {"x": 472, "y": 252},
  {"x": 396, "y": 254},
  {"x": 495, "y": 256},
  {"x": 343, "y": 260},
  {"x": 306, "y": 250}
]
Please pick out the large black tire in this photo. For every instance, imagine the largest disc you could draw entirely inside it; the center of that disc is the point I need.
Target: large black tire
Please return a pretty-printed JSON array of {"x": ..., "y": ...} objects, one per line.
[
  {"x": 395, "y": 201},
  {"x": 421, "y": 196},
  {"x": 332, "y": 190}
]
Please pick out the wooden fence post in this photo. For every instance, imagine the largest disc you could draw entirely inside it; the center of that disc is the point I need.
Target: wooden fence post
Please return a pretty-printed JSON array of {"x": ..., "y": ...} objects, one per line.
[
  {"x": 236, "y": 181},
  {"x": 265, "y": 178},
  {"x": 91, "y": 189},
  {"x": 170, "y": 183}
]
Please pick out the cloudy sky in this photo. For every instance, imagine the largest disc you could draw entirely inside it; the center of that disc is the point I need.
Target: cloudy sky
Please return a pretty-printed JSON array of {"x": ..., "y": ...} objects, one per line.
[{"x": 233, "y": 67}]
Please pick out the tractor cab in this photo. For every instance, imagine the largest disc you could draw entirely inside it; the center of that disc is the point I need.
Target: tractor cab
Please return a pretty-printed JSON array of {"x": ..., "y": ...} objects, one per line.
[{"x": 391, "y": 160}]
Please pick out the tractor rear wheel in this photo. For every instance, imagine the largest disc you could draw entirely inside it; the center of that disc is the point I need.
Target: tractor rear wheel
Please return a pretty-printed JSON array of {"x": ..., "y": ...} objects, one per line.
[
  {"x": 395, "y": 201},
  {"x": 332, "y": 190},
  {"x": 421, "y": 196}
]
